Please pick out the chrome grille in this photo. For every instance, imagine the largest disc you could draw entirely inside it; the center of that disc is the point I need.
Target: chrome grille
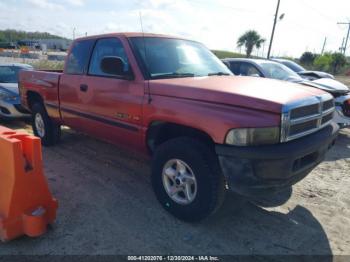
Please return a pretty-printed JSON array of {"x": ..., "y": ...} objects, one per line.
[{"x": 306, "y": 116}]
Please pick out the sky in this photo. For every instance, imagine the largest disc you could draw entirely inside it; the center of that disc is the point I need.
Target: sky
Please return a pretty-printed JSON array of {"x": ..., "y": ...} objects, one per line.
[{"x": 216, "y": 23}]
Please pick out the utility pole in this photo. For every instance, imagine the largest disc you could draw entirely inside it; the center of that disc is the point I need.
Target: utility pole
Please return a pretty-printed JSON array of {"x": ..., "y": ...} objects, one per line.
[
  {"x": 273, "y": 29},
  {"x": 347, "y": 35},
  {"x": 324, "y": 45},
  {"x": 73, "y": 33},
  {"x": 342, "y": 45}
]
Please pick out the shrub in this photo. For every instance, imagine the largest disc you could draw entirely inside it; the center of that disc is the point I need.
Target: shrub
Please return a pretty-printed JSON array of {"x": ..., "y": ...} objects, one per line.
[
  {"x": 323, "y": 62},
  {"x": 338, "y": 62},
  {"x": 307, "y": 58},
  {"x": 48, "y": 65}
]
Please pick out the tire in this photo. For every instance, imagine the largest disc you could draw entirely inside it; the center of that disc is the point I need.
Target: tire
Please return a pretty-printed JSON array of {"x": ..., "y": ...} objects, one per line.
[
  {"x": 208, "y": 190},
  {"x": 50, "y": 132}
]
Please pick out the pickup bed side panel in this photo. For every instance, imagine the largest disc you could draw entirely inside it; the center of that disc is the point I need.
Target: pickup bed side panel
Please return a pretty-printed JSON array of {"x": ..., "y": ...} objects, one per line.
[
  {"x": 213, "y": 119},
  {"x": 44, "y": 84}
]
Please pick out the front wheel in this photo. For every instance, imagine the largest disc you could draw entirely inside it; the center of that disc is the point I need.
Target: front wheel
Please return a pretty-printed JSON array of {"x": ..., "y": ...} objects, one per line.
[
  {"x": 187, "y": 179},
  {"x": 44, "y": 127}
]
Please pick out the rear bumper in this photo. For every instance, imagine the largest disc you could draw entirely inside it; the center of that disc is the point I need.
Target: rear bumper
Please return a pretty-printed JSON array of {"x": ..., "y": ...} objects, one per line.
[{"x": 261, "y": 169}]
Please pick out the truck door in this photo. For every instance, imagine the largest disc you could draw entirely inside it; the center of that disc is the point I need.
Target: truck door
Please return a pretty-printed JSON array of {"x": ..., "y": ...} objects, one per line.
[
  {"x": 112, "y": 104},
  {"x": 70, "y": 87}
]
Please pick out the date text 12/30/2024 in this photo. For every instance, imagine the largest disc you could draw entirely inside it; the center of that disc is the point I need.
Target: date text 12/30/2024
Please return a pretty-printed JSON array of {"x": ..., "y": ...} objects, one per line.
[{"x": 173, "y": 258}]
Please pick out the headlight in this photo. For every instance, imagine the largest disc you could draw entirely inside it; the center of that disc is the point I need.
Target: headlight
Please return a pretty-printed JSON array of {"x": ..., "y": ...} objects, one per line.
[
  {"x": 7, "y": 96},
  {"x": 253, "y": 136}
]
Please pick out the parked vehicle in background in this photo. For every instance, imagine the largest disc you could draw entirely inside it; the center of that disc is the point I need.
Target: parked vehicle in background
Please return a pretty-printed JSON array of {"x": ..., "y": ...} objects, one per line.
[
  {"x": 307, "y": 74},
  {"x": 174, "y": 100},
  {"x": 270, "y": 69},
  {"x": 10, "y": 104}
]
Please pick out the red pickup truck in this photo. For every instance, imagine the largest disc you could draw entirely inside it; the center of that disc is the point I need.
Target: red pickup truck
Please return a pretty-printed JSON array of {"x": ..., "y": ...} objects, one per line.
[{"x": 205, "y": 129}]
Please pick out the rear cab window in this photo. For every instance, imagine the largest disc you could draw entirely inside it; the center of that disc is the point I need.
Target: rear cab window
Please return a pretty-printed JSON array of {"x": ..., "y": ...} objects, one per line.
[{"x": 78, "y": 59}]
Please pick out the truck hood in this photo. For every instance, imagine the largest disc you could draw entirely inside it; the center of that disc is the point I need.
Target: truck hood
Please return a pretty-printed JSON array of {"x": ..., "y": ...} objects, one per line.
[
  {"x": 249, "y": 92},
  {"x": 11, "y": 87}
]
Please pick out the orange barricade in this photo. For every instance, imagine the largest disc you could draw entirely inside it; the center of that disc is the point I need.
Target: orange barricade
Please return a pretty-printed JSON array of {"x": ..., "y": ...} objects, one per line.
[{"x": 26, "y": 204}]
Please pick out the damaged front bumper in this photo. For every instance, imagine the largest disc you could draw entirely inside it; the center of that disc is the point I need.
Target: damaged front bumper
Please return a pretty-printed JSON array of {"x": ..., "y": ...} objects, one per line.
[{"x": 256, "y": 170}]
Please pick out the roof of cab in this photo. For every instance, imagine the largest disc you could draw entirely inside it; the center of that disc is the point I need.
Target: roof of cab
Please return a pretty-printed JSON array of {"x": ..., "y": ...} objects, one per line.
[{"x": 129, "y": 35}]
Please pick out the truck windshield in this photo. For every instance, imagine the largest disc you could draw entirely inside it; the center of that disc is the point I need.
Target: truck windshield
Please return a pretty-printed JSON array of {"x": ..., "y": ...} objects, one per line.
[{"x": 174, "y": 58}]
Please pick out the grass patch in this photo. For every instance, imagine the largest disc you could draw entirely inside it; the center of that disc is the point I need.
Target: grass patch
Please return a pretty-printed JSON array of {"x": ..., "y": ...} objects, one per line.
[
  {"x": 48, "y": 65},
  {"x": 227, "y": 54},
  {"x": 344, "y": 79}
]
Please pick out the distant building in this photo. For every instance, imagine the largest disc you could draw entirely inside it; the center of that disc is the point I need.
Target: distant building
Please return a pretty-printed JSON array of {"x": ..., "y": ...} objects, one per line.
[
  {"x": 44, "y": 44},
  {"x": 56, "y": 44},
  {"x": 30, "y": 43},
  {"x": 8, "y": 45}
]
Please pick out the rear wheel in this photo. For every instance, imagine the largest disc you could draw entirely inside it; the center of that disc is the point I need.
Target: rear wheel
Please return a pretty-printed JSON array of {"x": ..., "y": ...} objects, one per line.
[
  {"x": 44, "y": 127},
  {"x": 187, "y": 179}
]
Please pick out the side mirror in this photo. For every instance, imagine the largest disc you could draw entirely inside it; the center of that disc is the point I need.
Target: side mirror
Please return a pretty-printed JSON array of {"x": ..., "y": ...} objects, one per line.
[{"x": 113, "y": 65}]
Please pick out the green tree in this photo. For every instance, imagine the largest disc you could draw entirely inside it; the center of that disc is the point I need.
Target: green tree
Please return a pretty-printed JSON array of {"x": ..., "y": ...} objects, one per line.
[
  {"x": 250, "y": 39},
  {"x": 338, "y": 61},
  {"x": 323, "y": 62},
  {"x": 308, "y": 58},
  {"x": 10, "y": 35}
]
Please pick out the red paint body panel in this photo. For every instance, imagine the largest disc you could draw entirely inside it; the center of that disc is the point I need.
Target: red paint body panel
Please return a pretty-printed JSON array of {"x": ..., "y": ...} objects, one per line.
[
  {"x": 44, "y": 83},
  {"x": 118, "y": 110},
  {"x": 250, "y": 92}
]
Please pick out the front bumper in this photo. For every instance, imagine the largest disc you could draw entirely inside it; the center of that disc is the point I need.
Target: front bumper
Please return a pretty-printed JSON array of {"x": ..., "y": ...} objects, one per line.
[
  {"x": 11, "y": 110},
  {"x": 262, "y": 169}
]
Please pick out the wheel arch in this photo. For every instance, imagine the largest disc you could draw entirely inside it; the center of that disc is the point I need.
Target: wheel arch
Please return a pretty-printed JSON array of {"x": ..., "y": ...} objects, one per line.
[
  {"x": 33, "y": 97},
  {"x": 159, "y": 132}
]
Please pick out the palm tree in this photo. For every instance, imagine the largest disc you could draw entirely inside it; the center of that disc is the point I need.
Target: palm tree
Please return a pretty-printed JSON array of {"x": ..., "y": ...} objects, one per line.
[{"x": 250, "y": 39}]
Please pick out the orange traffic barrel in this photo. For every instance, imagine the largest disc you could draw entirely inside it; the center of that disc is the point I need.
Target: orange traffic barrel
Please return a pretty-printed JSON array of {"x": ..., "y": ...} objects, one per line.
[{"x": 26, "y": 204}]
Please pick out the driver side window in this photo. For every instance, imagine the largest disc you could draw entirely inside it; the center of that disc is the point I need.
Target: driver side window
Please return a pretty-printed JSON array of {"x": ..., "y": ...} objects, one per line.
[
  {"x": 107, "y": 47},
  {"x": 247, "y": 69}
]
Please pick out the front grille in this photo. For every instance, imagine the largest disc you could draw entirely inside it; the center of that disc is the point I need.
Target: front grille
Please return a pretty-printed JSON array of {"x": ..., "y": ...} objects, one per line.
[
  {"x": 298, "y": 128},
  {"x": 306, "y": 116},
  {"x": 327, "y": 118},
  {"x": 328, "y": 104},
  {"x": 305, "y": 110}
]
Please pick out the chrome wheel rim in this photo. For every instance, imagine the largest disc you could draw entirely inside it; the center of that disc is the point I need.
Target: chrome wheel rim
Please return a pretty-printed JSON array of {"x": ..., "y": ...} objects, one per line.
[
  {"x": 39, "y": 125},
  {"x": 179, "y": 181}
]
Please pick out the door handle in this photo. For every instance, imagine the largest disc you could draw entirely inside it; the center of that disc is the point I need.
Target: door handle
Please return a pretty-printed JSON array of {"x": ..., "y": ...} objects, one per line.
[{"x": 84, "y": 87}]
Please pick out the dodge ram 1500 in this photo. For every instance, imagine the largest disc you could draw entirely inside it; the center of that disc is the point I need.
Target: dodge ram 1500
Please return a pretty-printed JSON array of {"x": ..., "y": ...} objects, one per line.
[{"x": 205, "y": 129}]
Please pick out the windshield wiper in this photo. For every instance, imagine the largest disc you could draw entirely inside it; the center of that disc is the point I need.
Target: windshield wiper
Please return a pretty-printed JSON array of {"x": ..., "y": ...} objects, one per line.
[
  {"x": 173, "y": 75},
  {"x": 218, "y": 74}
]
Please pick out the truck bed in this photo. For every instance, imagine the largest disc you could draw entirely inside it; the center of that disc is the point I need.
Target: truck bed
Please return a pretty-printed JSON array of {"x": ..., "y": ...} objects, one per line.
[{"x": 44, "y": 83}]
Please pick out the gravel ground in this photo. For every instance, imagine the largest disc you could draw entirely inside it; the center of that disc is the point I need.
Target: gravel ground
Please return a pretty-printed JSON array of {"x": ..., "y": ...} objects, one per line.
[{"x": 106, "y": 206}]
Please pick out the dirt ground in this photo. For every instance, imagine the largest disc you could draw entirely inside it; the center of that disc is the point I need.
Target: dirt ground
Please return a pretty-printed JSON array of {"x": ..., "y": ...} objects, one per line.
[{"x": 106, "y": 206}]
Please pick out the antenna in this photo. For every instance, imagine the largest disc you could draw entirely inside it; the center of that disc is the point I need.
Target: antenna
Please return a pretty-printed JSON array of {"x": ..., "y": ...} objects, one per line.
[{"x": 145, "y": 50}]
